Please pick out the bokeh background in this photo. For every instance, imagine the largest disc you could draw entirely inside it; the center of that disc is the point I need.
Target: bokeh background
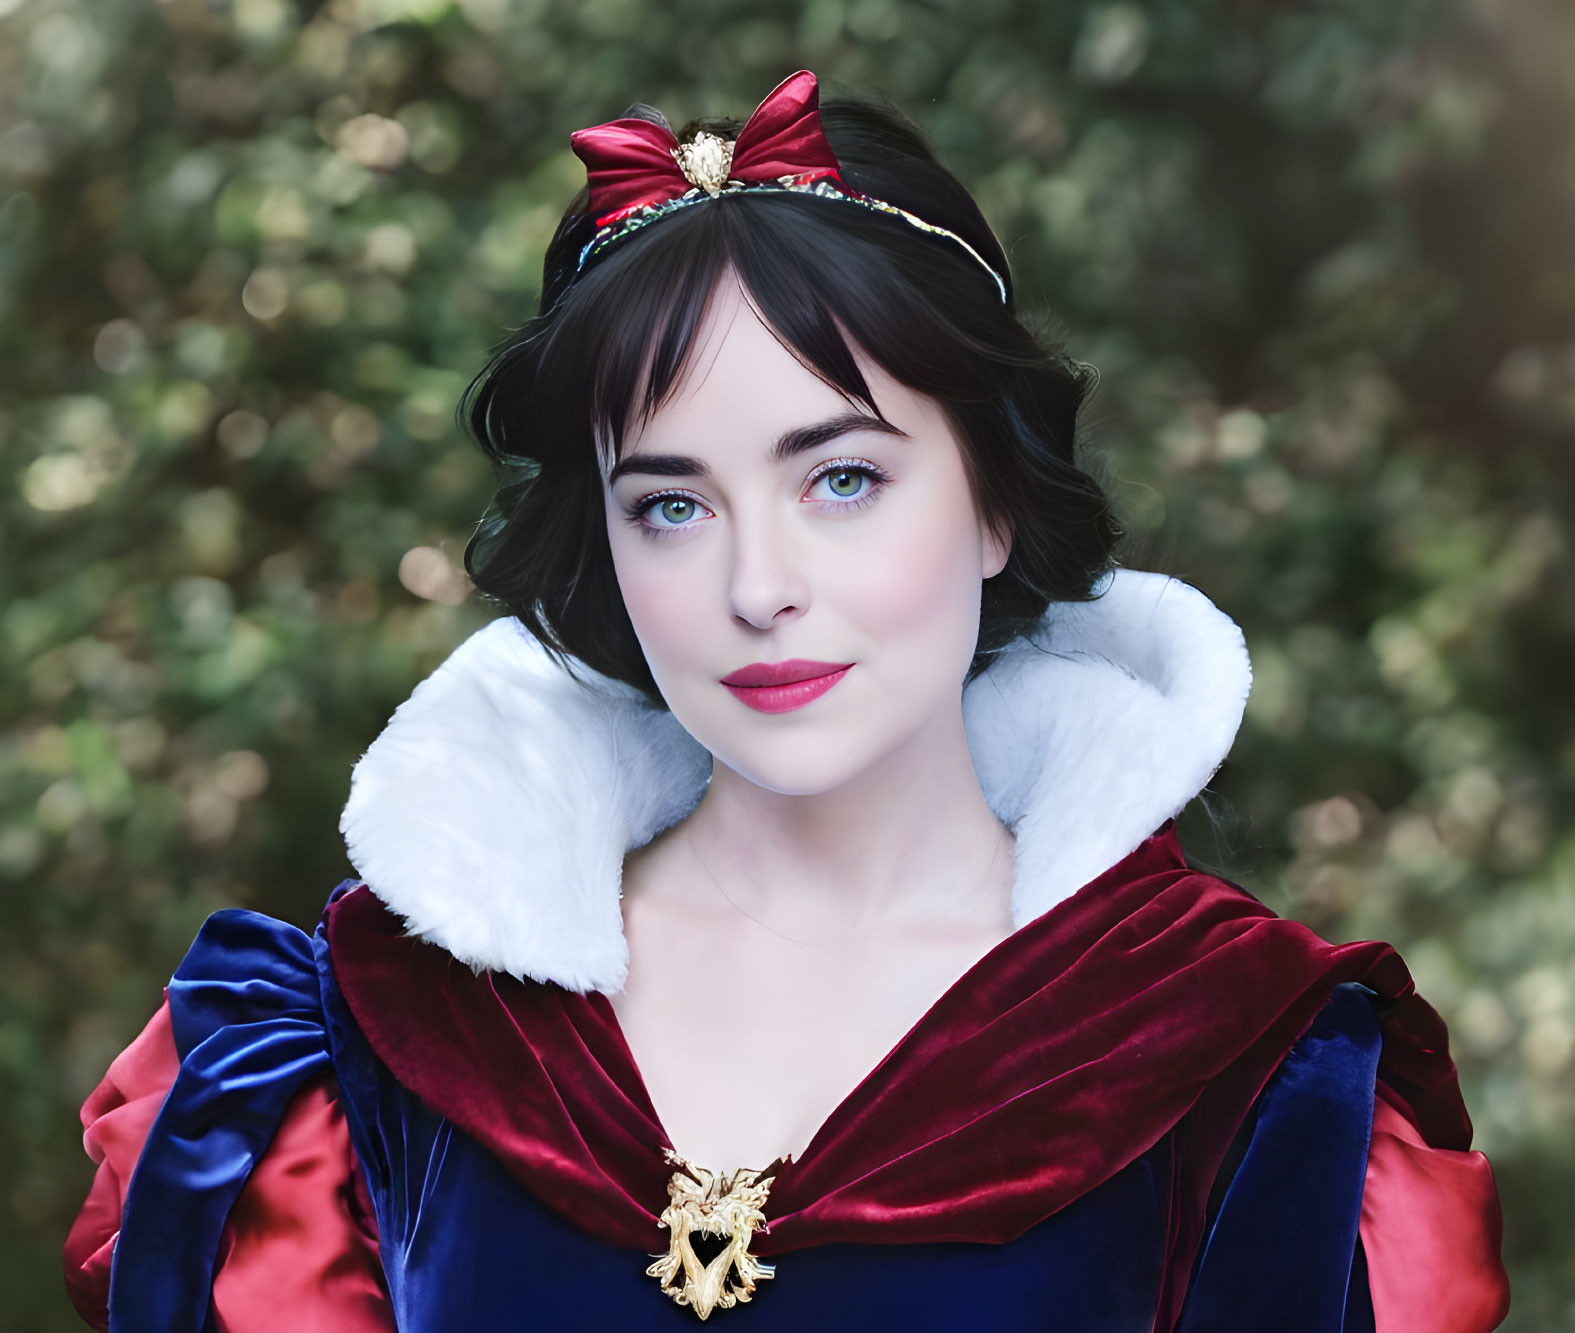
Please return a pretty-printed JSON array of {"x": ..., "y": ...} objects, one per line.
[{"x": 250, "y": 253}]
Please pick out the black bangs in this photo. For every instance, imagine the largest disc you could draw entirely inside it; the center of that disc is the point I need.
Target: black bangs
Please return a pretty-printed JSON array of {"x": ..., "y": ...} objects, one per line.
[
  {"x": 624, "y": 332},
  {"x": 828, "y": 277}
]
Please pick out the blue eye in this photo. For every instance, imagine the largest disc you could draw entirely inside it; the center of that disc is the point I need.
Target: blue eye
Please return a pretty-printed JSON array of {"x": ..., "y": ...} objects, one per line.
[
  {"x": 853, "y": 483},
  {"x": 674, "y": 512},
  {"x": 845, "y": 482}
]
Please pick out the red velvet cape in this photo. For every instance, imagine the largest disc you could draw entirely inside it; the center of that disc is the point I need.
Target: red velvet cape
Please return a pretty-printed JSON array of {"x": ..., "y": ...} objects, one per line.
[{"x": 1156, "y": 998}]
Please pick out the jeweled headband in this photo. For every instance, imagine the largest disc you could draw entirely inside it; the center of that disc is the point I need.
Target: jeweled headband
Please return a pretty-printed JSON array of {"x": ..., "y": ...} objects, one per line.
[{"x": 638, "y": 172}]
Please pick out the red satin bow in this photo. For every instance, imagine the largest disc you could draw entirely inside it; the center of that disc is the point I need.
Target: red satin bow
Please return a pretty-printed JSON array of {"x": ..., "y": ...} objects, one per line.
[{"x": 629, "y": 163}]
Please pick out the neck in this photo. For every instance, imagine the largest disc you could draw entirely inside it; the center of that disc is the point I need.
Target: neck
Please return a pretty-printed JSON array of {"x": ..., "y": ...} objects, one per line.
[
  {"x": 495, "y": 811},
  {"x": 910, "y": 839}
]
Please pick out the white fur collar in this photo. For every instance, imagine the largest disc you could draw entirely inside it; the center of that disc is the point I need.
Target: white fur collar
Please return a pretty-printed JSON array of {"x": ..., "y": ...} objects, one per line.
[{"x": 494, "y": 811}]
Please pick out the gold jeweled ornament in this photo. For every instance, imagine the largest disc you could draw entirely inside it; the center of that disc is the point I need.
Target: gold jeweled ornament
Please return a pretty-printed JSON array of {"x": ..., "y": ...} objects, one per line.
[
  {"x": 705, "y": 161},
  {"x": 729, "y": 1208}
]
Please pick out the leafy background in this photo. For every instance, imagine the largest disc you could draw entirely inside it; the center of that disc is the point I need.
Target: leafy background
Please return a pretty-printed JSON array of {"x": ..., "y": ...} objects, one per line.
[{"x": 250, "y": 253}]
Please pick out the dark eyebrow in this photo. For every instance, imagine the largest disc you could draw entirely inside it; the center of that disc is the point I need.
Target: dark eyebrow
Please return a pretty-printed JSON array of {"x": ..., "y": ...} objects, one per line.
[{"x": 796, "y": 441}]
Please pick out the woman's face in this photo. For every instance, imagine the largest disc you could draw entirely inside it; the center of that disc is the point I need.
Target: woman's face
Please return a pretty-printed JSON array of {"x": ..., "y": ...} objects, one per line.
[{"x": 760, "y": 517}]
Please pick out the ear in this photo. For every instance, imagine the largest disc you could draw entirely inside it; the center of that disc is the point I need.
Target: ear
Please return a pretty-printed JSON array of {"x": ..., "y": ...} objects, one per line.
[{"x": 996, "y": 546}]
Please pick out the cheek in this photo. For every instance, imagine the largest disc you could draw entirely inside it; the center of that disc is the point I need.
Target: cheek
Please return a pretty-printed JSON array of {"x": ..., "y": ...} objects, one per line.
[
  {"x": 920, "y": 577},
  {"x": 660, "y": 596}
]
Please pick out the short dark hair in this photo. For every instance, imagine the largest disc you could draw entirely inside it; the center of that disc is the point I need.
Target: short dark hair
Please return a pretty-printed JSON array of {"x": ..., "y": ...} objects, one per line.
[{"x": 917, "y": 304}]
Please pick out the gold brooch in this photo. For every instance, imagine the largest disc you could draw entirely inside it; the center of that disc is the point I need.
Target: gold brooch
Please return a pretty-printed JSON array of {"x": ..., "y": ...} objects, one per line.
[
  {"x": 705, "y": 161},
  {"x": 708, "y": 1207}
]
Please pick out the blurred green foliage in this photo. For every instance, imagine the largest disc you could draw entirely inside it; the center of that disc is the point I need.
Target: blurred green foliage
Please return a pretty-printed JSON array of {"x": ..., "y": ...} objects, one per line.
[{"x": 250, "y": 252}]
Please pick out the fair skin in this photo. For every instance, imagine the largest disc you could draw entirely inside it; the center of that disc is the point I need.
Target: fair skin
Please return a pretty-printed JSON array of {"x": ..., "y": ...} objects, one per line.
[{"x": 842, "y": 869}]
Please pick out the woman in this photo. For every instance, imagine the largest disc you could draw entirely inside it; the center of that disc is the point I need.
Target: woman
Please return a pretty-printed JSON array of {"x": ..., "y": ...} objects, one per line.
[{"x": 807, "y": 839}]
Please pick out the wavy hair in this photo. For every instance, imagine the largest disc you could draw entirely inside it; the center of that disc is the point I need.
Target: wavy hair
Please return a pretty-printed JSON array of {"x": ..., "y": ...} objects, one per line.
[{"x": 610, "y": 344}]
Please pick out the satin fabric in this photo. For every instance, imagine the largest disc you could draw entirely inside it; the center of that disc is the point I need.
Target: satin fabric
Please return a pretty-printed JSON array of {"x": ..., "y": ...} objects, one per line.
[
  {"x": 1154, "y": 1000},
  {"x": 1431, "y": 1231},
  {"x": 299, "y": 1249},
  {"x": 465, "y": 1244},
  {"x": 629, "y": 163},
  {"x": 116, "y": 1119},
  {"x": 246, "y": 1020}
]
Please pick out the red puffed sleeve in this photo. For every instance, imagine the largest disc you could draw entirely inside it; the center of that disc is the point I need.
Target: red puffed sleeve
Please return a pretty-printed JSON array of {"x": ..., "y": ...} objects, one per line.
[
  {"x": 115, "y": 1119},
  {"x": 1431, "y": 1229},
  {"x": 299, "y": 1250}
]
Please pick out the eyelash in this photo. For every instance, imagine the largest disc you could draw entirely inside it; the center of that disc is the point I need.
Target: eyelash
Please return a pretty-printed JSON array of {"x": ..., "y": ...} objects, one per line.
[{"x": 637, "y": 511}]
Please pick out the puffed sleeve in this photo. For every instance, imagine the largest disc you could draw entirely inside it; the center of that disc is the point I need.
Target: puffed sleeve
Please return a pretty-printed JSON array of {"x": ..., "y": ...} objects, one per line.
[
  {"x": 1281, "y": 1252},
  {"x": 1431, "y": 1229},
  {"x": 116, "y": 1119},
  {"x": 226, "y": 1175},
  {"x": 1336, "y": 1216}
]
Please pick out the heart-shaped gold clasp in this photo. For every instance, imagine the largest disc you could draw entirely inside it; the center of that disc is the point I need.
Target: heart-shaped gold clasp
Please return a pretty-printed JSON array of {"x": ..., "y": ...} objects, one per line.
[{"x": 729, "y": 1208}]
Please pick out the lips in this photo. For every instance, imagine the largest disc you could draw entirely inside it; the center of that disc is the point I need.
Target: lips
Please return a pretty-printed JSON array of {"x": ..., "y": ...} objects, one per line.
[
  {"x": 782, "y": 673},
  {"x": 781, "y": 687}
]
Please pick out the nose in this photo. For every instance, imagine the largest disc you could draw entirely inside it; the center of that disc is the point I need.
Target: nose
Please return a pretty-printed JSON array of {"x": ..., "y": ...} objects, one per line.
[{"x": 767, "y": 577}]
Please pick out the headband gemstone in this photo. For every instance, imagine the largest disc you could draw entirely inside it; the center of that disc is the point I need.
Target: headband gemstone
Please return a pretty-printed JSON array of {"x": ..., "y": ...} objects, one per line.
[
  {"x": 705, "y": 161},
  {"x": 638, "y": 172}
]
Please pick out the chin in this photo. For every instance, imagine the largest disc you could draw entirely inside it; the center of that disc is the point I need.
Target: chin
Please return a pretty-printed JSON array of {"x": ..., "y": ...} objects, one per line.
[
  {"x": 789, "y": 780},
  {"x": 806, "y": 764}
]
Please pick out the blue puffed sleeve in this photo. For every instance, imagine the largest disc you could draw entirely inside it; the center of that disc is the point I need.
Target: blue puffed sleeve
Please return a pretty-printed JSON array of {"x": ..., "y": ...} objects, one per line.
[
  {"x": 247, "y": 1016},
  {"x": 1283, "y": 1252}
]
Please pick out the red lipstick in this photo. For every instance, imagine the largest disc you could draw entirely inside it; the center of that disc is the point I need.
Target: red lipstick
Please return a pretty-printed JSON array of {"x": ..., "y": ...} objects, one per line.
[{"x": 779, "y": 687}]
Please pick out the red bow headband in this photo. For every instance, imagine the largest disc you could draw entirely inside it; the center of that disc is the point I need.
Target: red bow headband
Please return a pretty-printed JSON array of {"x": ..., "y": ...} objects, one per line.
[{"x": 638, "y": 171}]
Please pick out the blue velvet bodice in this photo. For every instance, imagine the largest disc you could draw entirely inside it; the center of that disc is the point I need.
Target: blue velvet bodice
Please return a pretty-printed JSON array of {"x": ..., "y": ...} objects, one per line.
[{"x": 464, "y": 1245}]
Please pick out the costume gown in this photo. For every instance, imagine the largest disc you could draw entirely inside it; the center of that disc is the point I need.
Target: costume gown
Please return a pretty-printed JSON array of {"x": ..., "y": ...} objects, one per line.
[{"x": 1156, "y": 1105}]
